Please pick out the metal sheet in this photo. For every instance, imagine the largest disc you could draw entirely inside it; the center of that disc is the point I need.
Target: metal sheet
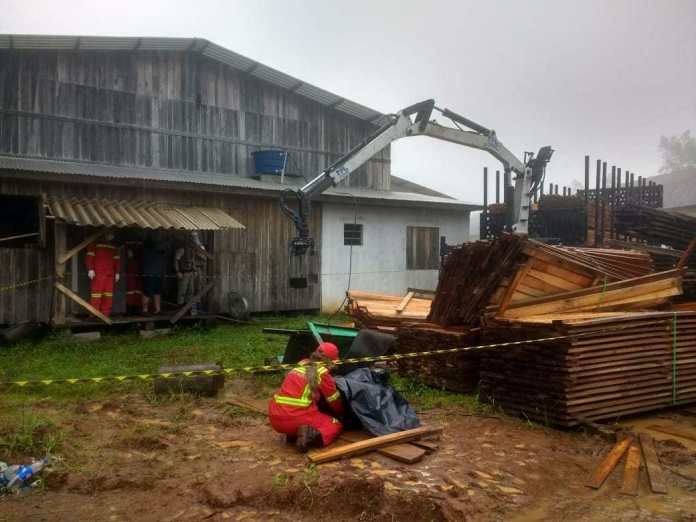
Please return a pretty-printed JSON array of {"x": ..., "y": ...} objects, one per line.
[{"x": 122, "y": 214}]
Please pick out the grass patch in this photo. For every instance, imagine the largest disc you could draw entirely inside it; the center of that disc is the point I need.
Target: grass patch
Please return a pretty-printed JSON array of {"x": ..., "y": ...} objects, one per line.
[
  {"x": 425, "y": 397},
  {"x": 27, "y": 434},
  {"x": 59, "y": 356}
]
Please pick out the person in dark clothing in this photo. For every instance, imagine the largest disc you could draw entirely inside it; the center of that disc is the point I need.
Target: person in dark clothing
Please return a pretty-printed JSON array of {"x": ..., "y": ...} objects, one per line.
[{"x": 154, "y": 267}]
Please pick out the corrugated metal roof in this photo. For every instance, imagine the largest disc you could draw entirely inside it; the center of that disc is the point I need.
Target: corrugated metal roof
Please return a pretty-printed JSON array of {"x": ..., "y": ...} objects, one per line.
[
  {"x": 216, "y": 179},
  {"x": 207, "y": 48},
  {"x": 122, "y": 214}
]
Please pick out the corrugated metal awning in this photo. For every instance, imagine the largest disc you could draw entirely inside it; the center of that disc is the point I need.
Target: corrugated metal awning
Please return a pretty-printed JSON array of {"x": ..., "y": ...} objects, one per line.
[{"x": 122, "y": 214}]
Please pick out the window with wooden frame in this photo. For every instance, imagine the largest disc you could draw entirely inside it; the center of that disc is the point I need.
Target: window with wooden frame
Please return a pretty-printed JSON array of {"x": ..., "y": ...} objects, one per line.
[
  {"x": 422, "y": 248},
  {"x": 21, "y": 221},
  {"x": 352, "y": 234}
]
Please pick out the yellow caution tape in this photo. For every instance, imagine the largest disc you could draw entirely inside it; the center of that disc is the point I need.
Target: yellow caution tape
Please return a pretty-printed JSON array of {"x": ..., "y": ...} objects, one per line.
[
  {"x": 270, "y": 368},
  {"x": 24, "y": 284}
]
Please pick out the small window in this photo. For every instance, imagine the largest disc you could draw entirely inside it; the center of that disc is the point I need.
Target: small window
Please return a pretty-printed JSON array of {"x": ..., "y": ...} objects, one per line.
[
  {"x": 352, "y": 234},
  {"x": 422, "y": 248}
]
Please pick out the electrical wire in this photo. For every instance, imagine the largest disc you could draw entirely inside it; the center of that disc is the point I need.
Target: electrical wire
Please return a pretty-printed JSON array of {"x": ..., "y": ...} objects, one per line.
[{"x": 350, "y": 260}]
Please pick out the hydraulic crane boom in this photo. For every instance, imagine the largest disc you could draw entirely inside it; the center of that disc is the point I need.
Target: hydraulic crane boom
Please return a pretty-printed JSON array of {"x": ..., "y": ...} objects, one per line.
[{"x": 415, "y": 121}]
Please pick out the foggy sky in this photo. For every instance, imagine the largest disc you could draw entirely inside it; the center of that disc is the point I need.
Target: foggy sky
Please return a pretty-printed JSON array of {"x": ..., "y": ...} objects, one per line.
[{"x": 605, "y": 78}]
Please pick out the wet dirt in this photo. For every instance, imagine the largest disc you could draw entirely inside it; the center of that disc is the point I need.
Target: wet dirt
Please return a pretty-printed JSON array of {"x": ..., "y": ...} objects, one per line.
[{"x": 201, "y": 459}]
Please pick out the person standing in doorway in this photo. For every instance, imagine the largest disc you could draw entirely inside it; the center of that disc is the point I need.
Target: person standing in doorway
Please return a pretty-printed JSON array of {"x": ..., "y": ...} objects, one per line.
[
  {"x": 134, "y": 277},
  {"x": 154, "y": 266},
  {"x": 103, "y": 263},
  {"x": 188, "y": 262}
]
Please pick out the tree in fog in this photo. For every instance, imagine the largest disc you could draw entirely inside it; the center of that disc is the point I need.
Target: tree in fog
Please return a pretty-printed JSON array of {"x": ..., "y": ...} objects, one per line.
[{"x": 678, "y": 153}]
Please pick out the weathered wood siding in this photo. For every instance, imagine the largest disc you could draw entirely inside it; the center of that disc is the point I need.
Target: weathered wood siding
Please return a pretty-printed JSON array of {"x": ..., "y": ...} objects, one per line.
[
  {"x": 253, "y": 262},
  {"x": 176, "y": 110}
]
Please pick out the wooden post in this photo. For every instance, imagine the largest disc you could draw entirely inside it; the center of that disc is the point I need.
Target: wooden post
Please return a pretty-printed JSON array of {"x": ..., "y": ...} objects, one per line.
[
  {"x": 484, "y": 214},
  {"x": 59, "y": 243},
  {"x": 587, "y": 180},
  {"x": 612, "y": 202},
  {"x": 497, "y": 186},
  {"x": 604, "y": 198},
  {"x": 596, "y": 218}
]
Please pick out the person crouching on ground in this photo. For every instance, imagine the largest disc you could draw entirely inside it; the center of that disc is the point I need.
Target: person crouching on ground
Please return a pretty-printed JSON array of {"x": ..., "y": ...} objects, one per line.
[{"x": 294, "y": 410}]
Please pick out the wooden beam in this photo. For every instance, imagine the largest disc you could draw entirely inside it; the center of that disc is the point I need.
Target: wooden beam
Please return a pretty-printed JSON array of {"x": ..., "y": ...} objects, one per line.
[
  {"x": 84, "y": 304},
  {"x": 609, "y": 463},
  {"x": 64, "y": 258},
  {"x": 677, "y": 432},
  {"x": 652, "y": 464},
  {"x": 59, "y": 303},
  {"x": 406, "y": 453},
  {"x": 329, "y": 454},
  {"x": 193, "y": 300},
  {"x": 521, "y": 273},
  {"x": 631, "y": 471},
  {"x": 687, "y": 253},
  {"x": 20, "y": 236},
  {"x": 404, "y": 302}
]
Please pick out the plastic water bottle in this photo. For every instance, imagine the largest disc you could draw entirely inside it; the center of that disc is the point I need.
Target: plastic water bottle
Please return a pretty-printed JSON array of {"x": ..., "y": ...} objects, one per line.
[{"x": 18, "y": 476}]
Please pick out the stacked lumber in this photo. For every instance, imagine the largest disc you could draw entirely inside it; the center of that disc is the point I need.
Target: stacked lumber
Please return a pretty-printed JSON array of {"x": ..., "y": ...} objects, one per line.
[
  {"x": 470, "y": 277},
  {"x": 613, "y": 364},
  {"x": 655, "y": 226},
  {"x": 457, "y": 372},
  {"x": 636, "y": 293},
  {"x": 371, "y": 310},
  {"x": 485, "y": 277}
]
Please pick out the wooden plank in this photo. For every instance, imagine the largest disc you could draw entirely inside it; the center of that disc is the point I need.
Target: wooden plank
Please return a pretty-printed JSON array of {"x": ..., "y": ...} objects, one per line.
[
  {"x": 84, "y": 304},
  {"x": 652, "y": 464},
  {"x": 405, "y": 452},
  {"x": 521, "y": 273},
  {"x": 82, "y": 244},
  {"x": 404, "y": 302},
  {"x": 631, "y": 473},
  {"x": 175, "y": 318},
  {"x": 677, "y": 432},
  {"x": 329, "y": 454},
  {"x": 609, "y": 463},
  {"x": 59, "y": 302}
]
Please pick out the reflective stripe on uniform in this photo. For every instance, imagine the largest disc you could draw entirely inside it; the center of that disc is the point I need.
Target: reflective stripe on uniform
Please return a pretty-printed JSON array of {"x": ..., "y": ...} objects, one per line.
[
  {"x": 334, "y": 396},
  {"x": 305, "y": 401},
  {"x": 90, "y": 253},
  {"x": 96, "y": 294}
]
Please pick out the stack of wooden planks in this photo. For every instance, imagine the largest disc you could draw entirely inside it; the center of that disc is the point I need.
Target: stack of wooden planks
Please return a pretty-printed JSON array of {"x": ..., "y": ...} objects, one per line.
[
  {"x": 612, "y": 364},
  {"x": 371, "y": 310},
  {"x": 470, "y": 277},
  {"x": 484, "y": 277},
  {"x": 457, "y": 372},
  {"x": 643, "y": 292},
  {"x": 655, "y": 226}
]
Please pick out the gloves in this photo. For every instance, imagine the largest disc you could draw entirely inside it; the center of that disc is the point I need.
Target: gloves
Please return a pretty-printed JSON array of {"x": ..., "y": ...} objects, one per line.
[
  {"x": 91, "y": 274},
  {"x": 117, "y": 277}
]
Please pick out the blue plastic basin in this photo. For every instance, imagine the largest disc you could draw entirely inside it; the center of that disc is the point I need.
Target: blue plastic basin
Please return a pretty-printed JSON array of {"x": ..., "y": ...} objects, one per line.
[{"x": 269, "y": 161}]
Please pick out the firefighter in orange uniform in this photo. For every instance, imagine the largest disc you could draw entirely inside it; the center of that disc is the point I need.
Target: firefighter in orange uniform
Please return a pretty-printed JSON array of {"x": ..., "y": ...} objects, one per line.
[
  {"x": 103, "y": 263},
  {"x": 294, "y": 410}
]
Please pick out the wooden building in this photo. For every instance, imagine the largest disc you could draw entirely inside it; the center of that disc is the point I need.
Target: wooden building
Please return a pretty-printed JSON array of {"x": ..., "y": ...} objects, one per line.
[{"x": 158, "y": 124}]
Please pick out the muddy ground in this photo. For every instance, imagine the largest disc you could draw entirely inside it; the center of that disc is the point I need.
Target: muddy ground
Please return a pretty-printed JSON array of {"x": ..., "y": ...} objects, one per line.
[{"x": 133, "y": 457}]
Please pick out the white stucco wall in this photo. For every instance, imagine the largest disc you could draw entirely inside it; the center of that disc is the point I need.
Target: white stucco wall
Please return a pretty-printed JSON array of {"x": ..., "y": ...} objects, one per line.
[{"x": 379, "y": 265}]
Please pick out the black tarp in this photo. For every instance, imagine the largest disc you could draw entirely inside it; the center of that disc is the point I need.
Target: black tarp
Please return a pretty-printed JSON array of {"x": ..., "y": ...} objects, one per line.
[{"x": 374, "y": 404}]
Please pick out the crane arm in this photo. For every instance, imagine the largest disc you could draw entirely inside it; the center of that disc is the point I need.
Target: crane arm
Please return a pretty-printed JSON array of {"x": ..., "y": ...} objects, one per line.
[{"x": 415, "y": 121}]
